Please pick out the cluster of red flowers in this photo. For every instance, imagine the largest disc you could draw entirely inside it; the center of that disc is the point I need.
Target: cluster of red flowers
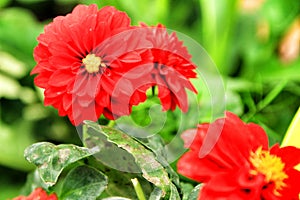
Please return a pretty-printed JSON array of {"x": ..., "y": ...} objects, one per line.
[
  {"x": 240, "y": 165},
  {"x": 38, "y": 194},
  {"x": 93, "y": 62}
]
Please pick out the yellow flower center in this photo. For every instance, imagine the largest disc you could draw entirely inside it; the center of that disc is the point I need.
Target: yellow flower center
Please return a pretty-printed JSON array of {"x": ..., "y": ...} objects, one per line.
[
  {"x": 269, "y": 165},
  {"x": 92, "y": 63}
]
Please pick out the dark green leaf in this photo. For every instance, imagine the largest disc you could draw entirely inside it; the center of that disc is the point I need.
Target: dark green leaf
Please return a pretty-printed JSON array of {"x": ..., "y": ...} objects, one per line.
[
  {"x": 151, "y": 169},
  {"x": 51, "y": 159},
  {"x": 156, "y": 145},
  {"x": 272, "y": 95},
  {"x": 84, "y": 183},
  {"x": 118, "y": 180}
]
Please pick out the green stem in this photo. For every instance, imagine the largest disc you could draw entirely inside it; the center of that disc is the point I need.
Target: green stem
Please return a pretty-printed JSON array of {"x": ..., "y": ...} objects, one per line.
[
  {"x": 267, "y": 100},
  {"x": 138, "y": 189},
  {"x": 111, "y": 123},
  {"x": 272, "y": 95}
]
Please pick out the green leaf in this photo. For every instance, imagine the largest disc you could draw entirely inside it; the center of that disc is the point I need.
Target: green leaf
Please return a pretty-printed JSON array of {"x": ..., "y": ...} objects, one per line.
[
  {"x": 118, "y": 180},
  {"x": 151, "y": 169},
  {"x": 272, "y": 95},
  {"x": 195, "y": 192},
  {"x": 51, "y": 159},
  {"x": 155, "y": 144},
  {"x": 84, "y": 183},
  {"x": 174, "y": 193},
  {"x": 156, "y": 194},
  {"x": 186, "y": 189}
]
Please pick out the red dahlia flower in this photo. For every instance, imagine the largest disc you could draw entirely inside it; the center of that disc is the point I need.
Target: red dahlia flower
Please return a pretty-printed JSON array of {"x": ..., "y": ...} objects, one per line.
[
  {"x": 240, "y": 165},
  {"x": 166, "y": 64},
  {"x": 38, "y": 194},
  {"x": 68, "y": 68},
  {"x": 85, "y": 62},
  {"x": 172, "y": 68}
]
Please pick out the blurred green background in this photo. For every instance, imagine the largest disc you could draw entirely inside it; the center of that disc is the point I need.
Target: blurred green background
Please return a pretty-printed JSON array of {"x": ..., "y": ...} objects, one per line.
[{"x": 254, "y": 43}]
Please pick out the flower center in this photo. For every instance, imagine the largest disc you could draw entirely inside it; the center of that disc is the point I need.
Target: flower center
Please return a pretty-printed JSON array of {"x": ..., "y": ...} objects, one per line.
[
  {"x": 93, "y": 63},
  {"x": 269, "y": 165}
]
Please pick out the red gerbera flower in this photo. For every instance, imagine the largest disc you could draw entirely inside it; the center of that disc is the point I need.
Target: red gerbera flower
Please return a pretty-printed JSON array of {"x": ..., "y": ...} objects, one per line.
[
  {"x": 38, "y": 194},
  {"x": 84, "y": 56},
  {"x": 240, "y": 165}
]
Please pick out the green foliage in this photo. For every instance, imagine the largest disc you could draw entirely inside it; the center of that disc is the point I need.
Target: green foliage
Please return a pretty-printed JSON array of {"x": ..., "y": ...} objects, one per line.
[
  {"x": 195, "y": 192},
  {"x": 51, "y": 160},
  {"x": 243, "y": 44},
  {"x": 149, "y": 12},
  {"x": 186, "y": 190},
  {"x": 84, "y": 183},
  {"x": 17, "y": 24},
  {"x": 95, "y": 179},
  {"x": 151, "y": 169}
]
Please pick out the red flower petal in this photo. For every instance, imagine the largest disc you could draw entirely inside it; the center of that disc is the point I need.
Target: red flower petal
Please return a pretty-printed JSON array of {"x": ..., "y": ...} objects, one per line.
[
  {"x": 188, "y": 166},
  {"x": 292, "y": 189},
  {"x": 39, "y": 194},
  {"x": 228, "y": 170},
  {"x": 289, "y": 155},
  {"x": 245, "y": 138},
  {"x": 60, "y": 78}
]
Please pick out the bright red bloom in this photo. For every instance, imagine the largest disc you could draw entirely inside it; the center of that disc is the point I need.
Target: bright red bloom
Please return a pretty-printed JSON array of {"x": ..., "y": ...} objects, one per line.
[
  {"x": 69, "y": 69},
  {"x": 172, "y": 68},
  {"x": 165, "y": 63},
  {"x": 38, "y": 194},
  {"x": 240, "y": 165},
  {"x": 86, "y": 59}
]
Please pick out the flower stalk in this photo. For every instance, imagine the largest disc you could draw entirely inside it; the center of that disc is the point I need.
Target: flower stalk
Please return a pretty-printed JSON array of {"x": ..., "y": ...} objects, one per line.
[{"x": 138, "y": 189}]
